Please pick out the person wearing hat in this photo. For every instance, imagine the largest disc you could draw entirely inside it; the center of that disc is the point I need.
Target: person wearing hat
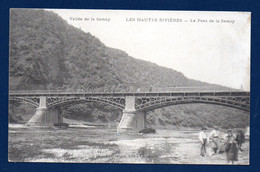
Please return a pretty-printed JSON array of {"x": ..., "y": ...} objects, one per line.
[
  {"x": 214, "y": 136},
  {"x": 203, "y": 140},
  {"x": 231, "y": 147},
  {"x": 240, "y": 139}
]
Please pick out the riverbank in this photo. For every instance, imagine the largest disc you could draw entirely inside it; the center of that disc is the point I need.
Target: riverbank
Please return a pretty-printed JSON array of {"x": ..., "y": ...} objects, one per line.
[{"x": 104, "y": 145}]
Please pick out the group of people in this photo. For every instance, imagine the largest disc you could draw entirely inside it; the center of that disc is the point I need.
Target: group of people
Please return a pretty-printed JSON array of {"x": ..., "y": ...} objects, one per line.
[{"x": 231, "y": 145}]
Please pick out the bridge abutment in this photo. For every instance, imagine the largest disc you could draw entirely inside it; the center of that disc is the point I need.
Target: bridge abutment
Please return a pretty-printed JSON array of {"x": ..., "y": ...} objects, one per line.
[
  {"x": 44, "y": 116},
  {"x": 132, "y": 120}
]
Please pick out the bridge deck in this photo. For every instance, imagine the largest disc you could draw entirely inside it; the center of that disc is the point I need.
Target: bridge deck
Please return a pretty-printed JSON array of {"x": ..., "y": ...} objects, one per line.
[
  {"x": 137, "y": 94},
  {"x": 143, "y": 100}
]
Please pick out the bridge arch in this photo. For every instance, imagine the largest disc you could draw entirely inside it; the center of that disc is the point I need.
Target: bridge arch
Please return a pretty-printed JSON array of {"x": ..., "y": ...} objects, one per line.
[
  {"x": 60, "y": 102},
  {"x": 157, "y": 104},
  {"x": 33, "y": 102}
]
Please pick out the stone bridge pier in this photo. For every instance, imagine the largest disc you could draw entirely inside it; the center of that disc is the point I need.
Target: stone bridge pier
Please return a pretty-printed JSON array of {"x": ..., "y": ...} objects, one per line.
[
  {"x": 132, "y": 120},
  {"x": 45, "y": 116}
]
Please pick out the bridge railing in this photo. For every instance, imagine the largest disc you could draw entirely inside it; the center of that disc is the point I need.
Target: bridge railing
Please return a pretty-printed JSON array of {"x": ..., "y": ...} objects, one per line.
[
  {"x": 152, "y": 89},
  {"x": 153, "y": 93}
]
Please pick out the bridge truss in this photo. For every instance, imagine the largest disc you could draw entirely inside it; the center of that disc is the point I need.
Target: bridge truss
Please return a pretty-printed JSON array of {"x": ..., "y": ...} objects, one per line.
[{"x": 143, "y": 101}]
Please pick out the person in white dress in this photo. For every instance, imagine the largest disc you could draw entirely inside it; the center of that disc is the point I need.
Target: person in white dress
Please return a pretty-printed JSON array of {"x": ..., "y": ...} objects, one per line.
[{"x": 215, "y": 137}]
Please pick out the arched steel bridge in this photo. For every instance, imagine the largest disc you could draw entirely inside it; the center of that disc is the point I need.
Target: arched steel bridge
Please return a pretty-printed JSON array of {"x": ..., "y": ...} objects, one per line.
[{"x": 143, "y": 101}]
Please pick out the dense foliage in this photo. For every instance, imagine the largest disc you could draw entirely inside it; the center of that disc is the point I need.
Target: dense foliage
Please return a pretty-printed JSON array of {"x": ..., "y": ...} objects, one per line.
[
  {"x": 46, "y": 53},
  {"x": 198, "y": 115}
]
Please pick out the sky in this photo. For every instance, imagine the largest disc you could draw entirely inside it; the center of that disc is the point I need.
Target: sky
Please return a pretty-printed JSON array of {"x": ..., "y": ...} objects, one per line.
[{"x": 213, "y": 47}]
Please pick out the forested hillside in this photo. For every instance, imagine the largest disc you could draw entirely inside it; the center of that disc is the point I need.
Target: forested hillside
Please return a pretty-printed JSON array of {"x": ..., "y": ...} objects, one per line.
[{"x": 48, "y": 54}]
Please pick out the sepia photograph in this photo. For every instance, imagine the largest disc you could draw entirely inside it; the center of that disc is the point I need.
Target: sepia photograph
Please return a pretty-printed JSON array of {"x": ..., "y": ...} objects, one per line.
[{"x": 129, "y": 86}]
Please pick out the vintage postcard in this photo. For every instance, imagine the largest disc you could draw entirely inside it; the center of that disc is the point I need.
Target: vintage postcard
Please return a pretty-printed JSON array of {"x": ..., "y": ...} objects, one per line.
[{"x": 122, "y": 86}]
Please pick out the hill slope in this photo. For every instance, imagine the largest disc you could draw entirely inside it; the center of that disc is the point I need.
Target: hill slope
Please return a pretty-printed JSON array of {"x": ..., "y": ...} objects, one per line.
[{"x": 48, "y": 54}]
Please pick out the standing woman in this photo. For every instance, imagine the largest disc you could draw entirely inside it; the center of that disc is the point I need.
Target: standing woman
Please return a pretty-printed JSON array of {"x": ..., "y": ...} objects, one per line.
[
  {"x": 214, "y": 135},
  {"x": 240, "y": 139},
  {"x": 231, "y": 148}
]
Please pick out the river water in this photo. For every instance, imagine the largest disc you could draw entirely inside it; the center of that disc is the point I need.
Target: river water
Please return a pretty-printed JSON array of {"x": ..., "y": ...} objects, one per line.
[{"x": 104, "y": 145}]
